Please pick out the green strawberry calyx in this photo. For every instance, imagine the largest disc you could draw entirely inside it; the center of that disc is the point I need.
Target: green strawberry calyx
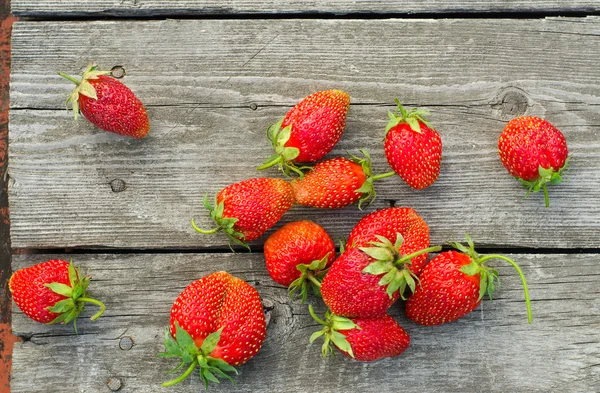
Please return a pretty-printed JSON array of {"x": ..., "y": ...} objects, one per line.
[
  {"x": 412, "y": 117},
  {"x": 311, "y": 276},
  {"x": 184, "y": 347},
  {"x": 367, "y": 190},
  {"x": 331, "y": 324},
  {"x": 488, "y": 277},
  {"x": 225, "y": 224},
  {"x": 546, "y": 175},
  {"x": 76, "y": 297},
  {"x": 83, "y": 86},
  {"x": 392, "y": 265},
  {"x": 284, "y": 156}
]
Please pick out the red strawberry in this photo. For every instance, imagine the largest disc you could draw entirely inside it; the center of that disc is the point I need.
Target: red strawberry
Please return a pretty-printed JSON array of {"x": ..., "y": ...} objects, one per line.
[
  {"x": 297, "y": 255},
  {"x": 388, "y": 223},
  {"x": 453, "y": 284},
  {"x": 336, "y": 183},
  {"x": 533, "y": 151},
  {"x": 108, "y": 103},
  {"x": 412, "y": 147},
  {"x": 309, "y": 130},
  {"x": 365, "y": 340},
  {"x": 364, "y": 282},
  {"x": 217, "y": 323},
  {"x": 245, "y": 210},
  {"x": 52, "y": 292}
]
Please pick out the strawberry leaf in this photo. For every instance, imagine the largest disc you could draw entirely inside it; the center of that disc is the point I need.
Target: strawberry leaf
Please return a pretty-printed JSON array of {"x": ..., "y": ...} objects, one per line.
[
  {"x": 61, "y": 289},
  {"x": 62, "y": 306},
  {"x": 340, "y": 341},
  {"x": 377, "y": 268},
  {"x": 471, "y": 269},
  {"x": 388, "y": 277},
  {"x": 378, "y": 253},
  {"x": 210, "y": 342},
  {"x": 316, "y": 335}
]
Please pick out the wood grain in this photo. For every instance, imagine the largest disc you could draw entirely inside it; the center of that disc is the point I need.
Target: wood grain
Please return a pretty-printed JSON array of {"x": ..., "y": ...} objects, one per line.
[
  {"x": 493, "y": 347},
  {"x": 211, "y": 97},
  {"x": 153, "y": 8}
]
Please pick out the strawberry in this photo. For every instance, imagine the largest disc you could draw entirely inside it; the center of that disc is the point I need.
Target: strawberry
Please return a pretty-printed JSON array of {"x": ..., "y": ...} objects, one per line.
[
  {"x": 108, "y": 103},
  {"x": 365, "y": 281},
  {"x": 52, "y": 292},
  {"x": 217, "y": 323},
  {"x": 453, "y": 284},
  {"x": 365, "y": 340},
  {"x": 297, "y": 255},
  {"x": 533, "y": 151},
  {"x": 336, "y": 183},
  {"x": 308, "y": 131},
  {"x": 245, "y": 210},
  {"x": 412, "y": 147}
]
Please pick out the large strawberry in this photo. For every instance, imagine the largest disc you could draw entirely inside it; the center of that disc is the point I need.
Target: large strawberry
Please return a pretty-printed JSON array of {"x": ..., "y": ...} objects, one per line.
[
  {"x": 453, "y": 284},
  {"x": 309, "y": 130},
  {"x": 365, "y": 340},
  {"x": 298, "y": 254},
  {"x": 412, "y": 147},
  {"x": 533, "y": 151},
  {"x": 336, "y": 183},
  {"x": 108, "y": 103},
  {"x": 245, "y": 210},
  {"x": 364, "y": 282},
  {"x": 217, "y": 323},
  {"x": 52, "y": 292}
]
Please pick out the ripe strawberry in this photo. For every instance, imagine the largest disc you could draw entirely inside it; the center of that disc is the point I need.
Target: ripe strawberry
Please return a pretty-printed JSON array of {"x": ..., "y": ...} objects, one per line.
[
  {"x": 364, "y": 282},
  {"x": 297, "y": 255},
  {"x": 52, "y": 292},
  {"x": 108, "y": 103},
  {"x": 365, "y": 340},
  {"x": 388, "y": 223},
  {"x": 245, "y": 210},
  {"x": 453, "y": 284},
  {"x": 309, "y": 130},
  {"x": 217, "y": 322},
  {"x": 336, "y": 183},
  {"x": 533, "y": 151},
  {"x": 412, "y": 147}
]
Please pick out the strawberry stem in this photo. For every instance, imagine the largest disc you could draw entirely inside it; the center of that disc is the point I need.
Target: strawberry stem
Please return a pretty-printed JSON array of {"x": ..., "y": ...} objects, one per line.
[
  {"x": 96, "y": 302},
  {"x": 546, "y": 198},
  {"x": 205, "y": 231},
  {"x": 69, "y": 77},
  {"x": 408, "y": 257},
  {"x": 383, "y": 175},
  {"x": 270, "y": 163},
  {"x": 312, "y": 314},
  {"x": 183, "y": 376},
  {"x": 314, "y": 280},
  {"x": 525, "y": 289}
]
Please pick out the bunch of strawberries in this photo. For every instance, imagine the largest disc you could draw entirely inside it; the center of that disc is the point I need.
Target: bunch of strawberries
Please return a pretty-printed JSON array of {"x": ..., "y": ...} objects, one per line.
[{"x": 217, "y": 322}]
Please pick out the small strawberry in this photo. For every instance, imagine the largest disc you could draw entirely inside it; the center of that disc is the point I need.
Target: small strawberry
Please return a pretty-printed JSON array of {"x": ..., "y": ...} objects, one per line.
[
  {"x": 533, "y": 151},
  {"x": 365, "y": 340},
  {"x": 364, "y": 282},
  {"x": 298, "y": 254},
  {"x": 412, "y": 147},
  {"x": 52, "y": 292},
  {"x": 453, "y": 284},
  {"x": 308, "y": 131},
  {"x": 336, "y": 183},
  {"x": 245, "y": 210},
  {"x": 108, "y": 103},
  {"x": 217, "y": 323}
]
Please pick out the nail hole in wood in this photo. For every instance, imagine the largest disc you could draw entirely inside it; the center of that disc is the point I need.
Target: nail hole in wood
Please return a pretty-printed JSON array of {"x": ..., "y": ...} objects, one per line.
[
  {"x": 253, "y": 106},
  {"x": 117, "y": 72},
  {"x": 114, "y": 384}
]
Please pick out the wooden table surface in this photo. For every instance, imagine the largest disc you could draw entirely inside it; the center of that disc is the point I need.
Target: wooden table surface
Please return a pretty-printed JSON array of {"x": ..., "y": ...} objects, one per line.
[{"x": 213, "y": 76}]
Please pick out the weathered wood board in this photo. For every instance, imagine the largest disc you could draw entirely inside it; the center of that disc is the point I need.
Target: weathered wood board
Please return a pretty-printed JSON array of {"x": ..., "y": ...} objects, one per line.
[
  {"x": 155, "y": 8},
  {"x": 493, "y": 349},
  {"x": 211, "y": 94}
]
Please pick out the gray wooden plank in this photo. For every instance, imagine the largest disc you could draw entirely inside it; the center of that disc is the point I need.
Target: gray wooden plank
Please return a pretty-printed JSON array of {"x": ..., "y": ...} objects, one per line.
[
  {"x": 493, "y": 347},
  {"x": 206, "y": 7},
  {"x": 210, "y": 98}
]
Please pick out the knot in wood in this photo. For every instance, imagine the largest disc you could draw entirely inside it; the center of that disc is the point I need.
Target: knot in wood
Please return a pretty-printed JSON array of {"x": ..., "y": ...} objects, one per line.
[
  {"x": 117, "y": 72},
  {"x": 511, "y": 103},
  {"x": 126, "y": 343},
  {"x": 117, "y": 185},
  {"x": 253, "y": 106},
  {"x": 114, "y": 384}
]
